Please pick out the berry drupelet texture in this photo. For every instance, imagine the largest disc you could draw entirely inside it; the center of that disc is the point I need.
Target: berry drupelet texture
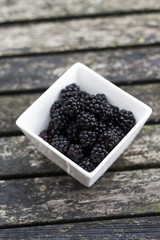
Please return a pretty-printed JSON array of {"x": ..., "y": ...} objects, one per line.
[
  {"x": 61, "y": 143},
  {"x": 71, "y": 90},
  {"x": 86, "y": 120},
  {"x": 60, "y": 119},
  {"x": 73, "y": 132},
  {"x": 126, "y": 120},
  {"x": 112, "y": 137},
  {"x": 87, "y": 164},
  {"x": 98, "y": 153},
  {"x": 46, "y": 135},
  {"x": 86, "y": 127},
  {"x": 76, "y": 152},
  {"x": 87, "y": 138},
  {"x": 73, "y": 106}
]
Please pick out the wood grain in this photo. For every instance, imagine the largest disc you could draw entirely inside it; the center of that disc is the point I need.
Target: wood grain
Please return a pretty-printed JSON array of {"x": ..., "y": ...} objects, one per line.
[
  {"x": 81, "y": 34},
  {"x": 131, "y": 228},
  {"x": 17, "y": 10},
  {"x": 18, "y": 156},
  {"x": 52, "y": 199},
  {"x": 119, "y": 66},
  {"x": 14, "y": 105}
]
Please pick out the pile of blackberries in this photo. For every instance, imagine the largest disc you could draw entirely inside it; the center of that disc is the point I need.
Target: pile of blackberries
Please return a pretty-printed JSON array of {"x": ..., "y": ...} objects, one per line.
[{"x": 86, "y": 127}]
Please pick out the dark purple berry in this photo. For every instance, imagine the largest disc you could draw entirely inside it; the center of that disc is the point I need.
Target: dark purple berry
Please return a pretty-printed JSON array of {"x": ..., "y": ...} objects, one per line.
[
  {"x": 46, "y": 135},
  {"x": 61, "y": 143},
  {"x": 87, "y": 138},
  {"x": 98, "y": 153},
  {"x": 76, "y": 152},
  {"x": 87, "y": 164}
]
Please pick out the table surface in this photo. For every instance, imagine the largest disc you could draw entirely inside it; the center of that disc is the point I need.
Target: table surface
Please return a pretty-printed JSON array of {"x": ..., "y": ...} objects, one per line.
[{"x": 39, "y": 40}]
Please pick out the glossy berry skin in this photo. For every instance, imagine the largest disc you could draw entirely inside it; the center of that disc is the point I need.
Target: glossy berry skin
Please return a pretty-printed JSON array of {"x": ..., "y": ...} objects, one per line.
[
  {"x": 73, "y": 131},
  {"x": 112, "y": 137},
  {"x": 86, "y": 120},
  {"x": 87, "y": 138},
  {"x": 126, "y": 120},
  {"x": 71, "y": 90},
  {"x": 76, "y": 152},
  {"x": 46, "y": 135},
  {"x": 55, "y": 105},
  {"x": 87, "y": 164},
  {"x": 73, "y": 106},
  {"x": 95, "y": 104},
  {"x": 61, "y": 143},
  {"x": 98, "y": 153},
  {"x": 59, "y": 119}
]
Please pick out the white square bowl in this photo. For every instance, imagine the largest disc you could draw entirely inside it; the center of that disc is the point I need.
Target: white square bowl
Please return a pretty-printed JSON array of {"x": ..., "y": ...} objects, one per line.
[{"x": 37, "y": 117}]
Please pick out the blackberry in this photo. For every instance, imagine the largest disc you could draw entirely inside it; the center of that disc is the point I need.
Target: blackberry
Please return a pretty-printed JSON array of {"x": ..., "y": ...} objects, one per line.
[
  {"x": 100, "y": 128},
  {"x": 73, "y": 131},
  {"x": 83, "y": 94},
  {"x": 73, "y": 106},
  {"x": 59, "y": 119},
  {"x": 126, "y": 120},
  {"x": 107, "y": 112},
  {"x": 112, "y": 137},
  {"x": 87, "y": 164},
  {"x": 61, "y": 143},
  {"x": 69, "y": 91},
  {"x": 55, "y": 106},
  {"x": 115, "y": 113},
  {"x": 93, "y": 104},
  {"x": 86, "y": 120},
  {"x": 76, "y": 152},
  {"x": 98, "y": 153},
  {"x": 46, "y": 135},
  {"x": 101, "y": 97},
  {"x": 52, "y": 130},
  {"x": 87, "y": 138}
]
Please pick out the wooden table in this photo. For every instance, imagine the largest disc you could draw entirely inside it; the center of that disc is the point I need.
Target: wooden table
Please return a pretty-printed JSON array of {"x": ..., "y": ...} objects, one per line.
[{"x": 39, "y": 40}]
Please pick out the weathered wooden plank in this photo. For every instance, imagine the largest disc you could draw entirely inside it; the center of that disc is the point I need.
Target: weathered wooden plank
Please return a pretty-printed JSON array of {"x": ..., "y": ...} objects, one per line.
[
  {"x": 14, "y": 105},
  {"x": 149, "y": 94},
  {"x": 39, "y": 200},
  {"x": 81, "y": 34},
  {"x": 130, "y": 228},
  {"x": 119, "y": 66},
  {"x": 18, "y": 156},
  {"x": 16, "y": 10}
]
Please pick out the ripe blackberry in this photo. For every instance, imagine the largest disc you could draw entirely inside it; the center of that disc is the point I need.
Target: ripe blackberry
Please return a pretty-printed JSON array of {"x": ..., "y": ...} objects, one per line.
[
  {"x": 126, "y": 120},
  {"x": 59, "y": 119},
  {"x": 87, "y": 138},
  {"x": 115, "y": 110},
  {"x": 55, "y": 106},
  {"x": 75, "y": 152},
  {"x": 101, "y": 97},
  {"x": 73, "y": 131},
  {"x": 87, "y": 164},
  {"x": 61, "y": 143},
  {"x": 107, "y": 112},
  {"x": 83, "y": 94},
  {"x": 52, "y": 130},
  {"x": 112, "y": 137},
  {"x": 100, "y": 128},
  {"x": 86, "y": 120},
  {"x": 46, "y": 135},
  {"x": 69, "y": 91},
  {"x": 73, "y": 106},
  {"x": 98, "y": 153},
  {"x": 93, "y": 104}
]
